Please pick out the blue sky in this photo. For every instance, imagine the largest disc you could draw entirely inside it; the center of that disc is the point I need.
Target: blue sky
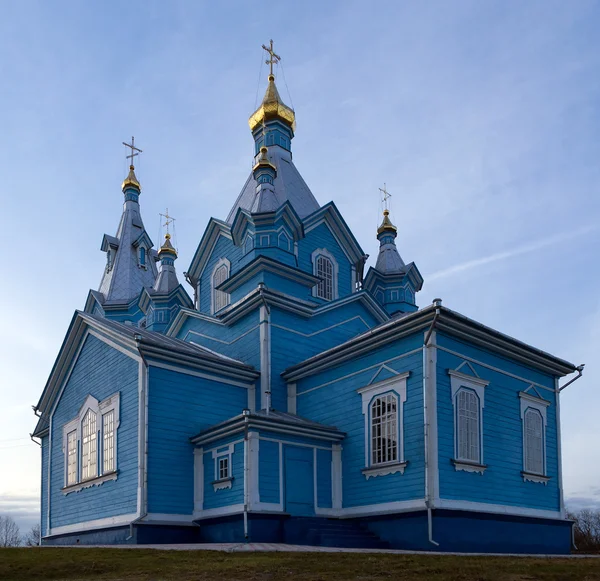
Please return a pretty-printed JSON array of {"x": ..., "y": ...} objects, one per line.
[{"x": 481, "y": 117}]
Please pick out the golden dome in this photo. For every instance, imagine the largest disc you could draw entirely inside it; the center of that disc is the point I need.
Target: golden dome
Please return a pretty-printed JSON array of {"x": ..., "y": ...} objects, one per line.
[
  {"x": 386, "y": 225},
  {"x": 131, "y": 180},
  {"x": 167, "y": 247},
  {"x": 272, "y": 107}
]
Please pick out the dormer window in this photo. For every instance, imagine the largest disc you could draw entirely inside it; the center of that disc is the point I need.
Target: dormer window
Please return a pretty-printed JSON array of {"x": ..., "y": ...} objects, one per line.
[
  {"x": 325, "y": 268},
  {"x": 109, "y": 260},
  {"x": 142, "y": 256},
  {"x": 220, "y": 274}
]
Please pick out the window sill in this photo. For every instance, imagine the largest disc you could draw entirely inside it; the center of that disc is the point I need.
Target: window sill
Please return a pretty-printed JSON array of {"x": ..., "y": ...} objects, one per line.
[
  {"x": 384, "y": 470},
  {"x": 535, "y": 477},
  {"x": 97, "y": 481},
  {"x": 467, "y": 466},
  {"x": 222, "y": 484}
]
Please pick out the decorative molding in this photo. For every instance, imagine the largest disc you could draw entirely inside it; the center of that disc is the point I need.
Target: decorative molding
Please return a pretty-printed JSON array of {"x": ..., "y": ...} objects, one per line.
[
  {"x": 497, "y": 509},
  {"x": 375, "y": 471},
  {"x": 223, "y": 483},
  {"x": 334, "y": 273},
  {"x": 91, "y": 525},
  {"x": 97, "y": 481},
  {"x": 534, "y": 477},
  {"x": 220, "y": 511},
  {"x": 468, "y": 466}
]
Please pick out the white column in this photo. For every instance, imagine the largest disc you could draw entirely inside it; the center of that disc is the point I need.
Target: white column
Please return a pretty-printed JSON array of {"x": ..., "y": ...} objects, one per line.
[
  {"x": 291, "y": 398},
  {"x": 198, "y": 480},
  {"x": 253, "y": 492},
  {"x": 265, "y": 355},
  {"x": 336, "y": 476}
]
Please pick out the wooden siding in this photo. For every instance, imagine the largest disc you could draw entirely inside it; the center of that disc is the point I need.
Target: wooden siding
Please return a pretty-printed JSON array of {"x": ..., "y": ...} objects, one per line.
[
  {"x": 502, "y": 482},
  {"x": 226, "y": 496},
  {"x": 100, "y": 371},
  {"x": 268, "y": 471}
]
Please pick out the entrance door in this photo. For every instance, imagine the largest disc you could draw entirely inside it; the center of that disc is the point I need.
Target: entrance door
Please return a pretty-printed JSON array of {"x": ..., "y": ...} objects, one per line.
[{"x": 299, "y": 481}]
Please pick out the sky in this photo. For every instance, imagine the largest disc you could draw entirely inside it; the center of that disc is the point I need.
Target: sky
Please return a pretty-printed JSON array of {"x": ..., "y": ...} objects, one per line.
[{"x": 481, "y": 117}]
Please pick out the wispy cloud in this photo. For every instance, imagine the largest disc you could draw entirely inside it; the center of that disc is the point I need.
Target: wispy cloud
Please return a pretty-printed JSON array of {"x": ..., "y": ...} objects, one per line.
[{"x": 498, "y": 256}]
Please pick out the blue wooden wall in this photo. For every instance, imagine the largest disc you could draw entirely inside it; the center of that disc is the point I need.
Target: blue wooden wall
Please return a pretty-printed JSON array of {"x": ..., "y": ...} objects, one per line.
[
  {"x": 330, "y": 397},
  {"x": 227, "y": 496},
  {"x": 100, "y": 371},
  {"x": 180, "y": 406},
  {"x": 501, "y": 482}
]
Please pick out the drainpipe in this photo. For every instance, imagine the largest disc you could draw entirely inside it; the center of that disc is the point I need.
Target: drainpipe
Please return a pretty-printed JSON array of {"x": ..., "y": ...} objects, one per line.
[
  {"x": 426, "y": 378},
  {"x": 246, "y": 414},
  {"x": 579, "y": 370}
]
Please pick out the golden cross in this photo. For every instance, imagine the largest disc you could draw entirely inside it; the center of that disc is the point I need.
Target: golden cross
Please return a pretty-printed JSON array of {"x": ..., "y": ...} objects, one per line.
[
  {"x": 386, "y": 195},
  {"x": 273, "y": 58},
  {"x": 133, "y": 149},
  {"x": 168, "y": 219}
]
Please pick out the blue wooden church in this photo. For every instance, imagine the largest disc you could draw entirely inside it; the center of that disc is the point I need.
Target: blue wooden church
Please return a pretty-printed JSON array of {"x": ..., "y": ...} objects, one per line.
[{"x": 298, "y": 396}]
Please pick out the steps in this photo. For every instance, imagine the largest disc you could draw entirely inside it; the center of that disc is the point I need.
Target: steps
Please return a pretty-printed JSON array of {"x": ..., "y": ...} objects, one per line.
[{"x": 326, "y": 532}]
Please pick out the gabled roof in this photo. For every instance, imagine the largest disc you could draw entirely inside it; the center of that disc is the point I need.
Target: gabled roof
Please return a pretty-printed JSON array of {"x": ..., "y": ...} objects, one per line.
[
  {"x": 445, "y": 320},
  {"x": 288, "y": 186},
  {"x": 214, "y": 230},
  {"x": 272, "y": 420},
  {"x": 138, "y": 343}
]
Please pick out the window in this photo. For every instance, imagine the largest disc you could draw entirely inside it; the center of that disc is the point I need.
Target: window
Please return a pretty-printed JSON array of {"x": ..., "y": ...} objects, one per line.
[
  {"x": 384, "y": 429},
  {"x": 533, "y": 415},
  {"x": 468, "y": 393},
  {"x": 89, "y": 468},
  {"x": 142, "y": 256},
  {"x": 223, "y": 468},
  {"x": 326, "y": 270},
  {"x": 220, "y": 275},
  {"x": 72, "y": 457},
  {"x": 109, "y": 259},
  {"x": 108, "y": 441},
  {"x": 382, "y": 407},
  {"x": 90, "y": 444},
  {"x": 467, "y": 418}
]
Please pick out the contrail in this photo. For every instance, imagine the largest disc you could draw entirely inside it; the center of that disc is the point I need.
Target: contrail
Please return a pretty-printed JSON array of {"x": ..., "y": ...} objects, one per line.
[{"x": 531, "y": 247}]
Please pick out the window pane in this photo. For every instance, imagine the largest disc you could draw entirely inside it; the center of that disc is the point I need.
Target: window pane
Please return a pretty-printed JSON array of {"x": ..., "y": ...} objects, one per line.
[
  {"x": 384, "y": 429},
  {"x": 325, "y": 274},
  {"x": 467, "y": 433},
  {"x": 89, "y": 462},
  {"x": 221, "y": 299},
  {"x": 72, "y": 458},
  {"x": 534, "y": 445},
  {"x": 223, "y": 468},
  {"x": 108, "y": 442}
]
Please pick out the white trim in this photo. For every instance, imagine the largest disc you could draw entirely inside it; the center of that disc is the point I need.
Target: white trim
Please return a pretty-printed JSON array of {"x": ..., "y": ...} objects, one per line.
[
  {"x": 376, "y": 365},
  {"x": 430, "y": 428},
  {"x": 198, "y": 480},
  {"x": 265, "y": 354},
  {"x": 383, "y": 508},
  {"x": 268, "y": 507},
  {"x": 291, "y": 398},
  {"x": 458, "y": 382},
  {"x": 165, "y": 518},
  {"x": 540, "y": 405},
  {"x": 97, "y": 481},
  {"x": 253, "y": 468},
  {"x": 222, "y": 262},
  {"x": 90, "y": 525},
  {"x": 559, "y": 447},
  {"x": 319, "y": 331},
  {"x": 535, "y": 477},
  {"x": 111, "y": 343},
  {"x": 384, "y": 470},
  {"x": 492, "y": 368},
  {"x": 497, "y": 509},
  {"x": 281, "y": 474},
  {"x": 252, "y": 398},
  {"x": 225, "y": 451},
  {"x": 220, "y": 511},
  {"x": 336, "y": 477},
  {"x": 396, "y": 384},
  {"x": 301, "y": 445},
  {"x": 460, "y": 465},
  {"x": 216, "y": 377},
  {"x": 223, "y": 484},
  {"x": 334, "y": 273},
  {"x": 315, "y": 495}
]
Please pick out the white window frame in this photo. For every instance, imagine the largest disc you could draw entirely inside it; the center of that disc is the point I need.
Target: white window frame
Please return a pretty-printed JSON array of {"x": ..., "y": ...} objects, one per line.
[
  {"x": 90, "y": 454},
  {"x": 335, "y": 272},
  {"x": 460, "y": 381},
  {"x": 142, "y": 251},
  {"x": 530, "y": 402},
  {"x": 219, "y": 454},
  {"x": 223, "y": 262},
  {"x": 396, "y": 386},
  {"x": 101, "y": 408}
]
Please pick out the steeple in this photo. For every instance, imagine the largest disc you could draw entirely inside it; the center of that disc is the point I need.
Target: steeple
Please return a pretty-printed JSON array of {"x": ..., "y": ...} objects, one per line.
[
  {"x": 167, "y": 277},
  {"x": 130, "y": 258},
  {"x": 273, "y": 125},
  {"x": 388, "y": 259}
]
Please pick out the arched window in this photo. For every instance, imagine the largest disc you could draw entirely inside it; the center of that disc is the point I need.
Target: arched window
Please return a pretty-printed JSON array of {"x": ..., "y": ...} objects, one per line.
[
  {"x": 142, "y": 256},
  {"x": 325, "y": 268},
  {"x": 220, "y": 275},
  {"x": 467, "y": 423},
  {"x": 89, "y": 462},
  {"x": 384, "y": 429},
  {"x": 534, "y": 441}
]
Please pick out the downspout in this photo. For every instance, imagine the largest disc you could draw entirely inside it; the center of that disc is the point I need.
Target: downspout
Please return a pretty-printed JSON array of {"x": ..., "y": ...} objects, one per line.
[
  {"x": 265, "y": 351},
  {"x": 579, "y": 370},
  {"x": 143, "y": 508},
  {"x": 426, "y": 379},
  {"x": 246, "y": 414}
]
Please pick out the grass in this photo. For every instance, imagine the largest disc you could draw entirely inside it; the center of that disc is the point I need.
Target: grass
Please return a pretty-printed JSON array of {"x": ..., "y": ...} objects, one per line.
[{"x": 149, "y": 564}]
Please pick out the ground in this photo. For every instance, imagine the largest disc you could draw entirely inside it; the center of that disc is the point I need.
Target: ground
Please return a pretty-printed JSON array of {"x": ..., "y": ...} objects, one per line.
[{"x": 80, "y": 563}]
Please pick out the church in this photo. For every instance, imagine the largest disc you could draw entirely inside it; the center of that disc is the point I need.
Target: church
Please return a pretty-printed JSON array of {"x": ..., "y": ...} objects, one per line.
[{"x": 297, "y": 395}]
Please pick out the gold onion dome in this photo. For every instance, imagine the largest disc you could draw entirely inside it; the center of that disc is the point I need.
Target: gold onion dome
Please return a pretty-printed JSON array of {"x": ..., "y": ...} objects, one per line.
[
  {"x": 167, "y": 247},
  {"x": 386, "y": 225},
  {"x": 263, "y": 160},
  {"x": 272, "y": 107},
  {"x": 131, "y": 180}
]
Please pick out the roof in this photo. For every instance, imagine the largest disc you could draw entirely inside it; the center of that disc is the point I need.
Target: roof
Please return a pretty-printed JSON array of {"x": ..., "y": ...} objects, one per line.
[
  {"x": 445, "y": 319},
  {"x": 271, "y": 420},
  {"x": 288, "y": 186}
]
